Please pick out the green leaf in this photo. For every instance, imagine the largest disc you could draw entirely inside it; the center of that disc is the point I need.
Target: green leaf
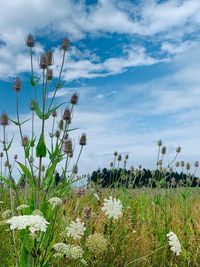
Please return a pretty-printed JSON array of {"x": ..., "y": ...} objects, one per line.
[
  {"x": 33, "y": 83},
  {"x": 49, "y": 178},
  {"x": 41, "y": 149},
  {"x": 28, "y": 174},
  {"x": 7, "y": 182},
  {"x": 37, "y": 110}
]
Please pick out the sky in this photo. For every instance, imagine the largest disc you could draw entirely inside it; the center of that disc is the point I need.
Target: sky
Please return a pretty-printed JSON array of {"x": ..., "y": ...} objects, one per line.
[{"x": 135, "y": 65}]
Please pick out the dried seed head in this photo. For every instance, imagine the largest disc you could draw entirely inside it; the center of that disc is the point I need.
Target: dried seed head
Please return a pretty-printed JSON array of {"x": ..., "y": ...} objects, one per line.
[
  {"x": 65, "y": 44},
  {"x": 111, "y": 164},
  {"x": 1, "y": 155},
  {"x": 159, "y": 143},
  {"x": 83, "y": 140},
  {"x": 119, "y": 158},
  {"x": 4, "y": 119},
  {"x": 49, "y": 58},
  {"x": 43, "y": 168},
  {"x": 177, "y": 164},
  {"x": 60, "y": 125},
  {"x": 74, "y": 99},
  {"x": 182, "y": 163},
  {"x": 50, "y": 74},
  {"x": 68, "y": 146},
  {"x": 15, "y": 157},
  {"x": 196, "y": 164},
  {"x": 159, "y": 162},
  {"x": 187, "y": 166},
  {"x": 163, "y": 150},
  {"x": 57, "y": 134},
  {"x": 6, "y": 164},
  {"x": 32, "y": 105},
  {"x": 67, "y": 115},
  {"x": 17, "y": 85},
  {"x": 178, "y": 149},
  {"x": 25, "y": 140},
  {"x": 54, "y": 113},
  {"x": 43, "y": 61},
  {"x": 75, "y": 169},
  {"x": 87, "y": 212},
  {"x": 126, "y": 157},
  {"x": 115, "y": 153},
  {"x": 30, "y": 41}
]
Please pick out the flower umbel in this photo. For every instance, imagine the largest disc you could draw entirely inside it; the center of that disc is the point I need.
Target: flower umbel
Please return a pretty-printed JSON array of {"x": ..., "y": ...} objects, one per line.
[
  {"x": 76, "y": 229},
  {"x": 70, "y": 251},
  {"x": 96, "y": 244},
  {"x": 112, "y": 208},
  {"x": 174, "y": 243},
  {"x": 55, "y": 201}
]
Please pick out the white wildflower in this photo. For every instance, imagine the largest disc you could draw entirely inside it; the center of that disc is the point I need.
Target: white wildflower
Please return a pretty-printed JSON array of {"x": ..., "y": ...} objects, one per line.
[
  {"x": 23, "y": 206},
  {"x": 76, "y": 229},
  {"x": 112, "y": 207},
  {"x": 37, "y": 212},
  {"x": 55, "y": 201},
  {"x": 96, "y": 196},
  {"x": 174, "y": 243},
  {"x": 6, "y": 214},
  {"x": 33, "y": 222},
  {"x": 70, "y": 251}
]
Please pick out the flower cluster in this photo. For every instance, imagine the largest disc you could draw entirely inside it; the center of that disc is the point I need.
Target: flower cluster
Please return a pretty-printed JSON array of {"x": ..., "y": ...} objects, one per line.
[
  {"x": 33, "y": 222},
  {"x": 21, "y": 207},
  {"x": 55, "y": 201},
  {"x": 70, "y": 251},
  {"x": 112, "y": 207},
  {"x": 174, "y": 243},
  {"x": 6, "y": 214},
  {"x": 76, "y": 229},
  {"x": 96, "y": 244}
]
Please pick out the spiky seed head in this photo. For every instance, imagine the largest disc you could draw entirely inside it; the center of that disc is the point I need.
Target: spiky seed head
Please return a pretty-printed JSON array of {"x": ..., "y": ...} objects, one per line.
[
  {"x": 54, "y": 113},
  {"x": 68, "y": 146},
  {"x": 126, "y": 157},
  {"x": 25, "y": 140},
  {"x": 182, "y": 163},
  {"x": 115, "y": 153},
  {"x": 1, "y": 155},
  {"x": 74, "y": 99},
  {"x": 75, "y": 169},
  {"x": 159, "y": 143},
  {"x": 43, "y": 61},
  {"x": 4, "y": 119},
  {"x": 187, "y": 166},
  {"x": 49, "y": 58},
  {"x": 177, "y": 164},
  {"x": 196, "y": 164},
  {"x": 65, "y": 44},
  {"x": 83, "y": 139},
  {"x": 50, "y": 74},
  {"x": 119, "y": 158},
  {"x": 178, "y": 149},
  {"x": 30, "y": 41},
  {"x": 17, "y": 85},
  {"x": 57, "y": 134},
  {"x": 15, "y": 157},
  {"x": 67, "y": 115},
  {"x": 60, "y": 125},
  {"x": 163, "y": 150}
]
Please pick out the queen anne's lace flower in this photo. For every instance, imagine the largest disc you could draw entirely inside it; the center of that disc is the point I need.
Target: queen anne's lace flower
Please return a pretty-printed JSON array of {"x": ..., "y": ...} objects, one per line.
[
  {"x": 23, "y": 206},
  {"x": 70, "y": 251},
  {"x": 112, "y": 207},
  {"x": 33, "y": 222},
  {"x": 174, "y": 243},
  {"x": 55, "y": 201},
  {"x": 76, "y": 229},
  {"x": 96, "y": 244}
]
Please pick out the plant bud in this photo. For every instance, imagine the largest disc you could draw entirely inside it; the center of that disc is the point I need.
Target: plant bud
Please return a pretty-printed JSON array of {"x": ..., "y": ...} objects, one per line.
[
  {"x": 4, "y": 119},
  {"x": 68, "y": 146},
  {"x": 54, "y": 113},
  {"x": 111, "y": 164},
  {"x": 119, "y": 158},
  {"x": 50, "y": 74},
  {"x": 65, "y": 44},
  {"x": 83, "y": 139},
  {"x": 25, "y": 140},
  {"x": 178, "y": 149},
  {"x": 115, "y": 153},
  {"x": 67, "y": 115},
  {"x": 187, "y": 166},
  {"x": 182, "y": 163},
  {"x": 196, "y": 164},
  {"x": 17, "y": 85},
  {"x": 30, "y": 41},
  {"x": 57, "y": 134},
  {"x": 75, "y": 169},
  {"x": 126, "y": 157},
  {"x": 163, "y": 150},
  {"x": 74, "y": 99},
  {"x": 159, "y": 143}
]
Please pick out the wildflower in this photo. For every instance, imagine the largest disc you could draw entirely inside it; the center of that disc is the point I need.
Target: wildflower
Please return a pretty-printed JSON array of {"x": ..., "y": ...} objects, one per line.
[
  {"x": 55, "y": 201},
  {"x": 174, "y": 243},
  {"x": 112, "y": 208},
  {"x": 70, "y": 251},
  {"x": 6, "y": 214},
  {"x": 23, "y": 206},
  {"x": 96, "y": 244},
  {"x": 37, "y": 212},
  {"x": 76, "y": 229},
  {"x": 33, "y": 222}
]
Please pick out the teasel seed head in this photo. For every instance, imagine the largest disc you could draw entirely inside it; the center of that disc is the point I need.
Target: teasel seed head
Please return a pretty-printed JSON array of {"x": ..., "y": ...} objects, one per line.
[
  {"x": 115, "y": 153},
  {"x": 43, "y": 61},
  {"x": 159, "y": 143},
  {"x": 75, "y": 169},
  {"x": 60, "y": 125},
  {"x": 119, "y": 158},
  {"x": 177, "y": 164},
  {"x": 54, "y": 113},
  {"x": 67, "y": 115},
  {"x": 83, "y": 139},
  {"x": 4, "y": 119},
  {"x": 57, "y": 134},
  {"x": 74, "y": 99},
  {"x": 163, "y": 150},
  {"x": 68, "y": 146},
  {"x": 196, "y": 164},
  {"x": 25, "y": 141},
  {"x": 6, "y": 164},
  {"x": 182, "y": 163},
  {"x": 17, "y": 85},
  {"x": 49, "y": 58},
  {"x": 15, "y": 157},
  {"x": 178, "y": 149},
  {"x": 65, "y": 44},
  {"x": 30, "y": 41},
  {"x": 187, "y": 166},
  {"x": 126, "y": 157},
  {"x": 50, "y": 74},
  {"x": 111, "y": 164}
]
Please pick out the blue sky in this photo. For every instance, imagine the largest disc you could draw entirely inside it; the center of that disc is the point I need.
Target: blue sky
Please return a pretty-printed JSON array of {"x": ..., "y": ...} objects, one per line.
[{"x": 135, "y": 65}]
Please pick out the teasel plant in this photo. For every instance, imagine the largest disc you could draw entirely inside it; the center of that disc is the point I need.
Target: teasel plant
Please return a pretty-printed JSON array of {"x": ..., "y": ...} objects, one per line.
[{"x": 38, "y": 169}]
